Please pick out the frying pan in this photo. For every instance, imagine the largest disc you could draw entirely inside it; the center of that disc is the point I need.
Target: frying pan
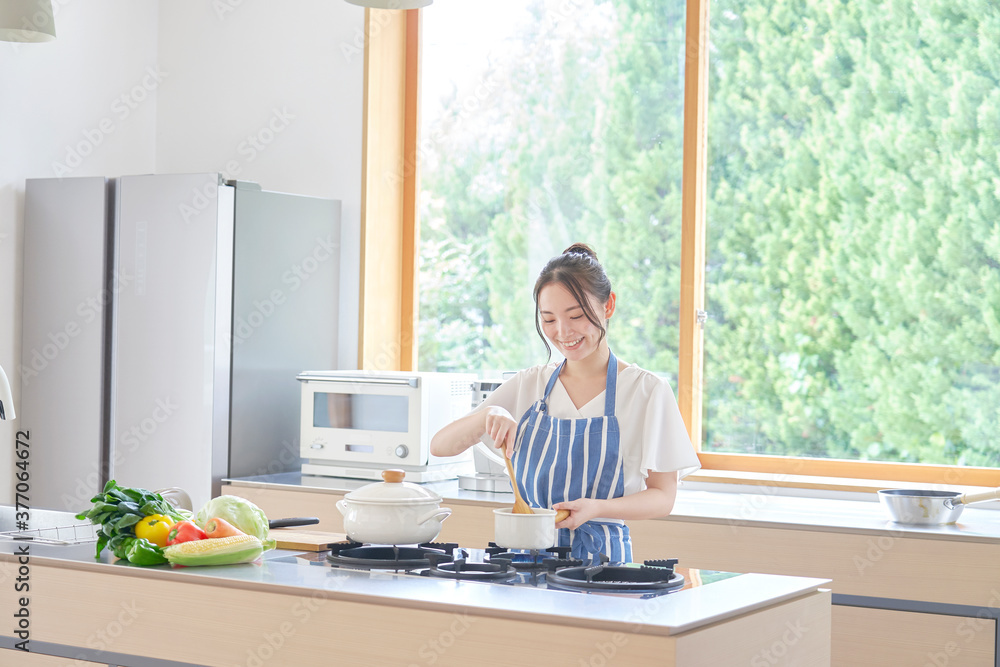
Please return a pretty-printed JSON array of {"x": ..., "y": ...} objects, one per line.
[{"x": 929, "y": 508}]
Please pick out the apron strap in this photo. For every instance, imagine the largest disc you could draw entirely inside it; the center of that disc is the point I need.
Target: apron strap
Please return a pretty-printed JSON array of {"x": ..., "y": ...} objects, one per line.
[
  {"x": 590, "y": 541},
  {"x": 548, "y": 387},
  {"x": 611, "y": 386}
]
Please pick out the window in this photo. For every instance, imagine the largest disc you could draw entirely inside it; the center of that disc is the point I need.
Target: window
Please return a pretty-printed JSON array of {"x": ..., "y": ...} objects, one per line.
[
  {"x": 852, "y": 268},
  {"x": 547, "y": 124}
]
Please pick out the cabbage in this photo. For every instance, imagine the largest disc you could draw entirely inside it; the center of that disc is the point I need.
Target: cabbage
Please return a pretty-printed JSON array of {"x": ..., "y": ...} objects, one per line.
[{"x": 241, "y": 513}]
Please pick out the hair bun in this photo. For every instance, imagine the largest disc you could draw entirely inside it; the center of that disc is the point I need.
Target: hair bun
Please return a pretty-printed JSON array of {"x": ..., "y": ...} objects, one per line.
[{"x": 581, "y": 249}]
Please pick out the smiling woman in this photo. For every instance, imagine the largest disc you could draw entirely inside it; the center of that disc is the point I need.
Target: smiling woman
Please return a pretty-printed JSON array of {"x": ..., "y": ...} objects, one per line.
[{"x": 598, "y": 438}]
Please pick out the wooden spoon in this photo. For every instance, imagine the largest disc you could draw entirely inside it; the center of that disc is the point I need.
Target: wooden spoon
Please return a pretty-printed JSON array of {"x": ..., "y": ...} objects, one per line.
[{"x": 521, "y": 507}]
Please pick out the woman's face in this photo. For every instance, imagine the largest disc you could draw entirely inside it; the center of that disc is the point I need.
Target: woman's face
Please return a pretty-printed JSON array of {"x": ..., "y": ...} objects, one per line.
[{"x": 566, "y": 325}]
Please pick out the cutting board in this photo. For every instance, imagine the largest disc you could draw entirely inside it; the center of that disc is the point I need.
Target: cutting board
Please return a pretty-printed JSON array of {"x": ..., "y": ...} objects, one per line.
[{"x": 305, "y": 540}]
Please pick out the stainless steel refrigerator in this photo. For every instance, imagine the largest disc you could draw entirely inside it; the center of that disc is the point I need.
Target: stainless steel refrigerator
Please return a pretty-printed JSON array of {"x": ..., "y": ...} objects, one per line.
[{"x": 165, "y": 320}]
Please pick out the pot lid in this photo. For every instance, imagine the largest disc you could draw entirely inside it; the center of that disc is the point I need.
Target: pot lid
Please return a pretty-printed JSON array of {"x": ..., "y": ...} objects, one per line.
[{"x": 393, "y": 491}]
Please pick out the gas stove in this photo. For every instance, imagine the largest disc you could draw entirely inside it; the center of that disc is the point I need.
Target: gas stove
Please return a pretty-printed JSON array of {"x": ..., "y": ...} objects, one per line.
[{"x": 552, "y": 569}]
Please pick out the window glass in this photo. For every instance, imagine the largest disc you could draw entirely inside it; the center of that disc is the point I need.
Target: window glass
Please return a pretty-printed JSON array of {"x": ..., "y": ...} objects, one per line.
[
  {"x": 543, "y": 124},
  {"x": 853, "y": 278},
  {"x": 364, "y": 412}
]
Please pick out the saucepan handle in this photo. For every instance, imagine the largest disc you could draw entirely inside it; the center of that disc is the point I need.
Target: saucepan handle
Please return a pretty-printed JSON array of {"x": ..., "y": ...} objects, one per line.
[
  {"x": 969, "y": 498},
  {"x": 438, "y": 513}
]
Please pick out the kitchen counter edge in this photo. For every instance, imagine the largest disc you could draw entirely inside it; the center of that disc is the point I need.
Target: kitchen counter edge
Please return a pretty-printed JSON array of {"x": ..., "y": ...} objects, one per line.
[{"x": 676, "y": 613}]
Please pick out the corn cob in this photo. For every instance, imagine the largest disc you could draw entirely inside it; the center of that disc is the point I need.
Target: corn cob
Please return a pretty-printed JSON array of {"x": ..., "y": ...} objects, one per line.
[{"x": 215, "y": 551}]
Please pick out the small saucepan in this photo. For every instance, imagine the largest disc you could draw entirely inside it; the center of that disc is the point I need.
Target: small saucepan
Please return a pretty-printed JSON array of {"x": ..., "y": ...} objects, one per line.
[
  {"x": 524, "y": 531},
  {"x": 929, "y": 508}
]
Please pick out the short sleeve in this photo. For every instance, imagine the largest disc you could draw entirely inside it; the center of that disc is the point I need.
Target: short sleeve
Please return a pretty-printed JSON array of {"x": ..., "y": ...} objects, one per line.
[
  {"x": 505, "y": 395},
  {"x": 666, "y": 446},
  {"x": 518, "y": 393}
]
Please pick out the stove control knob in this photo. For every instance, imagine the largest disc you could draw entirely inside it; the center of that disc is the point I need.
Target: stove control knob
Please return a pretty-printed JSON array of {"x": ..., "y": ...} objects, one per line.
[{"x": 402, "y": 451}]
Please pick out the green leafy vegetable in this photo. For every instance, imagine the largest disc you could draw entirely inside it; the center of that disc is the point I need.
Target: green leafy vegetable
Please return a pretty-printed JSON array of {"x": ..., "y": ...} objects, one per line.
[
  {"x": 240, "y": 512},
  {"x": 117, "y": 510}
]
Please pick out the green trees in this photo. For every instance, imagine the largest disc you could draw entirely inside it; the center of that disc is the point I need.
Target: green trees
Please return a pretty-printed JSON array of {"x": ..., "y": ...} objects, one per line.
[
  {"x": 506, "y": 187},
  {"x": 854, "y": 247},
  {"x": 853, "y": 224},
  {"x": 635, "y": 189}
]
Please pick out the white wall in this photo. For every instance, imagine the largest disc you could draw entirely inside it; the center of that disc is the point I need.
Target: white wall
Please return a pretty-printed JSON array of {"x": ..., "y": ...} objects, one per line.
[
  {"x": 269, "y": 92},
  {"x": 139, "y": 86},
  {"x": 62, "y": 113}
]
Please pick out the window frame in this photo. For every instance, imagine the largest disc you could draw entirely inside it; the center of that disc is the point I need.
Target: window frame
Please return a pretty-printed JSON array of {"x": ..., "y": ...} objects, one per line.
[{"x": 390, "y": 187}]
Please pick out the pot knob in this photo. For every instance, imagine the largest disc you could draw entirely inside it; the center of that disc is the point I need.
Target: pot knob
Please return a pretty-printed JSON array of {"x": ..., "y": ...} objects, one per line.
[{"x": 393, "y": 476}]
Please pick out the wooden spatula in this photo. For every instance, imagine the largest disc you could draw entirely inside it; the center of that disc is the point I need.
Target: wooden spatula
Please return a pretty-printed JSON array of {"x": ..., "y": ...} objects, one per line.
[{"x": 521, "y": 507}]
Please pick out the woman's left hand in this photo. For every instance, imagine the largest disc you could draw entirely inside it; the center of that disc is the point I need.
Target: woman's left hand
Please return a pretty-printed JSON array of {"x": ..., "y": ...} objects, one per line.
[{"x": 581, "y": 511}]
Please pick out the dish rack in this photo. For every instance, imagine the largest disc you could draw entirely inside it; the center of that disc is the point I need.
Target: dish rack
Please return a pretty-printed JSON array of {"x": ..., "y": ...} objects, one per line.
[{"x": 81, "y": 533}]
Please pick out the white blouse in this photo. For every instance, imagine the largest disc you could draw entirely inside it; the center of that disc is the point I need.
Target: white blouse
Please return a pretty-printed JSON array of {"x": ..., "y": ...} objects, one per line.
[{"x": 653, "y": 436}]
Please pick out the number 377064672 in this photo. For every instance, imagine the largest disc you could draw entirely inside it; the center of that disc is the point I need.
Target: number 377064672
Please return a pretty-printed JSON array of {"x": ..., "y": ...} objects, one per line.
[{"x": 23, "y": 477}]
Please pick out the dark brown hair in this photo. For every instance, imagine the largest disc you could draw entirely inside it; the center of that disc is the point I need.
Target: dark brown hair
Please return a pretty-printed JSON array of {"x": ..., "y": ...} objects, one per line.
[{"x": 578, "y": 270}]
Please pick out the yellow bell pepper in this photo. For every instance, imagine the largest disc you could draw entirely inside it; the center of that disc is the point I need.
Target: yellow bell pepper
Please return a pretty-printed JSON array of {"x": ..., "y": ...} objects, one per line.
[{"x": 155, "y": 528}]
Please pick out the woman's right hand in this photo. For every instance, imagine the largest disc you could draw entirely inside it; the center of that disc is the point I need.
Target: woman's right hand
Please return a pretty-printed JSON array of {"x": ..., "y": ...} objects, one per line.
[{"x": 502, "y": 428}]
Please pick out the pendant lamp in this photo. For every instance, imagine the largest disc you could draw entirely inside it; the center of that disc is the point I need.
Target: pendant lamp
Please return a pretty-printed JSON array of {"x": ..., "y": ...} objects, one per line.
[
  {"x": 26, "y": 21},
  {"x": 6, "y": 402},
  {"x": 391, "y": 4}
]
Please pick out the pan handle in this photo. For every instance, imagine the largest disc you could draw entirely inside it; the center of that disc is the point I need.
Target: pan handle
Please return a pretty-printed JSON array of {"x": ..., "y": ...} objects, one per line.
[
  {"x": 969, "y": 498},
  {"x": 296, "y": 521}
]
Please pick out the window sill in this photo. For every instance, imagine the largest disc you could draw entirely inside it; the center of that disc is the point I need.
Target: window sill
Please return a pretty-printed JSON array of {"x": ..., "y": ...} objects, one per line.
[{"x": 806, "y": 485}]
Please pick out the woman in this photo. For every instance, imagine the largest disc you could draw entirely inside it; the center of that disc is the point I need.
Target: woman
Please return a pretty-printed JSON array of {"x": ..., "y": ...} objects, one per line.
[{"x": 591, "y": 435}]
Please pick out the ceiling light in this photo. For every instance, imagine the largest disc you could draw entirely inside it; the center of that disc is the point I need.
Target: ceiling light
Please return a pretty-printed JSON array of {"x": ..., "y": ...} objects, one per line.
[
  {"x": 392, "y": 4},
  {"x": 26, "y": 21}
]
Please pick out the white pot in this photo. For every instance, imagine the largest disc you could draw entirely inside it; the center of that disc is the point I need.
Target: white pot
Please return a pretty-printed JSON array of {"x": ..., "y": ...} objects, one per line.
[
  {"x": 524, "y": 531},
  {"x": 392, "y": 512}
]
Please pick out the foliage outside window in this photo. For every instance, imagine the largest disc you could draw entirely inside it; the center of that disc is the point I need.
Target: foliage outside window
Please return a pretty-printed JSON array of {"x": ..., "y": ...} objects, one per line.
[
  {"x": 545, "y": 145},
  {"x": 853, "y": 274},
  {"x": 853, "y": 264}
]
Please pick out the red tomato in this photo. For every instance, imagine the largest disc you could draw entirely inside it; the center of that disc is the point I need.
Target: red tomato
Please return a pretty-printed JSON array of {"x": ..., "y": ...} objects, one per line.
[{"x": 185, "y": 531}]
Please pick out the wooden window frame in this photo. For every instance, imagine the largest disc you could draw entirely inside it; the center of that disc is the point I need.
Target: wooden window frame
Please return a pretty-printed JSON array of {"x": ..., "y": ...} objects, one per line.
[
  {"x": 389, "y": 296},
  {"x": 389, "y": 189}
]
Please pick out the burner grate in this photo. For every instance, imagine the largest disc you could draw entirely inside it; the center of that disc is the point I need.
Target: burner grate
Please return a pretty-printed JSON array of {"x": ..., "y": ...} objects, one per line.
[
  {"x": 497, "y": 569},
  {"x": 387, "y": 557},
  {"x": 535, "y": 559},
  {"x": 616, "y": 578}
]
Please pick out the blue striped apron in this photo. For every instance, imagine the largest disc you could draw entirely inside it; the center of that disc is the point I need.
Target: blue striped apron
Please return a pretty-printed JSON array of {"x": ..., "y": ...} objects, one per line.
[{"x": 565, "y": 459}]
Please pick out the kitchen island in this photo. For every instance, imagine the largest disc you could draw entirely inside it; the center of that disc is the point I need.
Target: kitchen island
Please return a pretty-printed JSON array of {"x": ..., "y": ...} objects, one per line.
[
  {"x": 898, "y": 597},
  {"x": 289, "y": 610}
]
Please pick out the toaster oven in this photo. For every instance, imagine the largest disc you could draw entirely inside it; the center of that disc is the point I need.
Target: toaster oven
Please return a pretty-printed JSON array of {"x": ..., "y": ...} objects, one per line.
[{"x": 358, "y": 423}]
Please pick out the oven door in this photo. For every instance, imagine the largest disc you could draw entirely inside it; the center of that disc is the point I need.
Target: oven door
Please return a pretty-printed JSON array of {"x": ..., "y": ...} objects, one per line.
[{"x": 362, "y": 420}]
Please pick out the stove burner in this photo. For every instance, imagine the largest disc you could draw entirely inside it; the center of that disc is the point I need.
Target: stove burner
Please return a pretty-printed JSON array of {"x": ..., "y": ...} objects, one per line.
[
  {"x": 498, "y": 569},
  {"x": 550, "y": 559},
  {"x": 653, "y": 575},
  {"x": 387, "y": 557}
]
